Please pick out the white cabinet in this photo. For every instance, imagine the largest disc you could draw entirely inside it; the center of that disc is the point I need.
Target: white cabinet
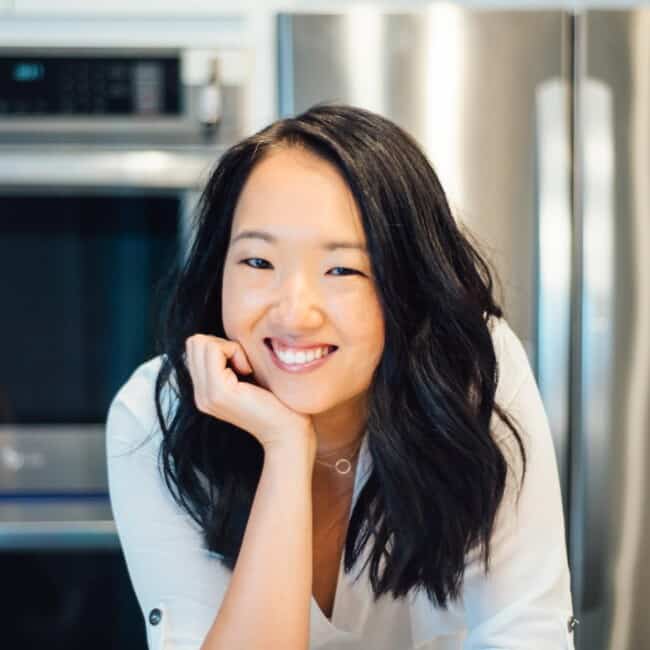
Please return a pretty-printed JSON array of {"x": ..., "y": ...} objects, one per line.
[{"x": 127, "y": 7}]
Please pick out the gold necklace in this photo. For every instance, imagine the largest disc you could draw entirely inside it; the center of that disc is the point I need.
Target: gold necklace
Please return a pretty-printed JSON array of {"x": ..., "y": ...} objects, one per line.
[{"x": 342, "y": 465}]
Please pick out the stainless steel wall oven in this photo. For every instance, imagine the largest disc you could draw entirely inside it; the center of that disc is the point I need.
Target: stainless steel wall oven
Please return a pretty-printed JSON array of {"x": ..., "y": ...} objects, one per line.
[{"x": 103, "y": 153}]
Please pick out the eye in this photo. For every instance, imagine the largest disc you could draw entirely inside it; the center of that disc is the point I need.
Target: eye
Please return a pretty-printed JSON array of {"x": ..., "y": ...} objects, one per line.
[
  {"x": 347, "y": 271},
  {"x": 344, "y": 269},
  {"x": 248, "y": 259}
]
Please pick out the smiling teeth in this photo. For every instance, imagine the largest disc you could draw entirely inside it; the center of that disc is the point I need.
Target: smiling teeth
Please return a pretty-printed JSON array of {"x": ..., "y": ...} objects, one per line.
[{"x": 301, "y": 357}]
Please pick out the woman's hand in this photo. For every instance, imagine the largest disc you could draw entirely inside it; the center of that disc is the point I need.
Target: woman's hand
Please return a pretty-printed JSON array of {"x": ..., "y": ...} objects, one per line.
[{"x": 219, "y": 392}]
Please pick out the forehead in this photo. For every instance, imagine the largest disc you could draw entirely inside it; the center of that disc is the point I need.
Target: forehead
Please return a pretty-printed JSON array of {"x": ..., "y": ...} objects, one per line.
[{"x": 292, "y": 191}]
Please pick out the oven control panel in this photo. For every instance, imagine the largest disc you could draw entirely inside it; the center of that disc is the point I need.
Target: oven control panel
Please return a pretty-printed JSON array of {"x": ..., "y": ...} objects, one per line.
[{"x": 99, "y": 86}]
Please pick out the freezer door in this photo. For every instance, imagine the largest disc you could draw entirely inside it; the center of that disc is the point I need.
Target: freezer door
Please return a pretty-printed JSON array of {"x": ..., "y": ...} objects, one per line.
[
  {"x": 611, "y": 519},
  {"x": 488, "y": 95}
]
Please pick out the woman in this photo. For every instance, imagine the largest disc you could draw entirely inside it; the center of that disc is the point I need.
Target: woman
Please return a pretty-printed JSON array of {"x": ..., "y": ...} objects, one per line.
[{"x": 410, "y": 444}]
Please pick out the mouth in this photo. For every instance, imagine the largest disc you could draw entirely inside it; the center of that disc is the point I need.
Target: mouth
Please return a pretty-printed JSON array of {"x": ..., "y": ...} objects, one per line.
[{"x": 292, "y": 364}]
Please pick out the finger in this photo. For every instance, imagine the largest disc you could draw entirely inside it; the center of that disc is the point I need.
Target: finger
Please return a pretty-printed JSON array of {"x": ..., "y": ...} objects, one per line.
[
  {"x": 240, "y": 362},
  {"x": 215, "y": 367},
  {"x": 207, "y": 367},
  {"x": 237, "y": 355}
]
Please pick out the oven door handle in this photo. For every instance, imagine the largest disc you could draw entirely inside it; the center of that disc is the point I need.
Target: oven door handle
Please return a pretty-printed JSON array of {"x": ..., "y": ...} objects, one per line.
[{"x": 29, "y": 166}]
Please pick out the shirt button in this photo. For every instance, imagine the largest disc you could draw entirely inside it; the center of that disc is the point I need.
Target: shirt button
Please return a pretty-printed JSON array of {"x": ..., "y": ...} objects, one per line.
[
  {"x": 154, "y": 616},
  {"x": 573, "y": 621}
]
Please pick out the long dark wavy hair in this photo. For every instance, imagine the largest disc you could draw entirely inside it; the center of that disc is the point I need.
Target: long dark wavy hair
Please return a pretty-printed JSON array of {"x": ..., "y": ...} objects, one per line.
[{"x": 438, "y": 475}]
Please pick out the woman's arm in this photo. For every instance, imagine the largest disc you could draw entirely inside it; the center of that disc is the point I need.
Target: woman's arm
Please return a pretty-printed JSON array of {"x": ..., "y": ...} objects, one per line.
[
  {"x": 179, "y": 584},
  {"x": 268, "y": 601}
]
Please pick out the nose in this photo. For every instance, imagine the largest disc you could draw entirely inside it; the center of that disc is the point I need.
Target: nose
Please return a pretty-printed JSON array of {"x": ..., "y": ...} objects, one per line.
[{"x": 297, "y": 304}]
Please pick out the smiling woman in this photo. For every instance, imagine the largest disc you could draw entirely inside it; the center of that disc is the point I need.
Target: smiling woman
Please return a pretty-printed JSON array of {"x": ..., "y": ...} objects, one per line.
[
  {"x": 307, "y": 292},
  {"x": 332, "y": 315}
]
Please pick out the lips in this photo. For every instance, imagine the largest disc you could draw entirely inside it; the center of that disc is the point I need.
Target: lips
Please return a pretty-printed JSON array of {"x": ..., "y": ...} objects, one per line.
[{"x": 269, "y": 342}]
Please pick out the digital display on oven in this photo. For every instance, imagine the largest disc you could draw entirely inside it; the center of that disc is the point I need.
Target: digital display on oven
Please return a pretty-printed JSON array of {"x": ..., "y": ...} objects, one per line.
[
  {"x": 28, "y": 71},
  {"x": 97, "y": 86}
]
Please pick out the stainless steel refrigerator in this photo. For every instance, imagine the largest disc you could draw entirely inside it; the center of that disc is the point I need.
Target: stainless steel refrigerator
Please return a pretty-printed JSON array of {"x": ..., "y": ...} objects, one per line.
[
  {"x": 538, "y": 125},
  {"x": 610, "y": 530}
]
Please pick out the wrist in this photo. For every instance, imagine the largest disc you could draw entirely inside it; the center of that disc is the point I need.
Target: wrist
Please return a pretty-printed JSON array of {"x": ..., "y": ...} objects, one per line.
[{"x": 299, "y": 445}]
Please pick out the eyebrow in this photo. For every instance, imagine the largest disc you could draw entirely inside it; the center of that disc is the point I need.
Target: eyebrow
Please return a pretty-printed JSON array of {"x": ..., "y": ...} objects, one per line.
[{"x": 329, "y": 246}]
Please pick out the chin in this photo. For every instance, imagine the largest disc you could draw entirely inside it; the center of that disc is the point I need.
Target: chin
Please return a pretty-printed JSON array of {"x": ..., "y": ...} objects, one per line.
[{"x": 306, "y": 405}]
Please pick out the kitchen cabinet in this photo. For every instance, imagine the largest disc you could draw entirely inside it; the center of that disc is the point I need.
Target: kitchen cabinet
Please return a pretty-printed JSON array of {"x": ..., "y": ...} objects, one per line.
[
  {"x": 127, "y": 7},
  {"x": 227, "y": 7}
]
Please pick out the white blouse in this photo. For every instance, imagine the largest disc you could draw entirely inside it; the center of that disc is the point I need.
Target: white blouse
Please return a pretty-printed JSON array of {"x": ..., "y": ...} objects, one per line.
[{"x": 523, "y": 604}]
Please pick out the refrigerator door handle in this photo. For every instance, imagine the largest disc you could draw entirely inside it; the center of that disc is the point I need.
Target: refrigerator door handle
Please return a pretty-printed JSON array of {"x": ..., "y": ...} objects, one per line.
[
  {"x": 553, "y": 163},
  {"x": 594, "y": 414}
]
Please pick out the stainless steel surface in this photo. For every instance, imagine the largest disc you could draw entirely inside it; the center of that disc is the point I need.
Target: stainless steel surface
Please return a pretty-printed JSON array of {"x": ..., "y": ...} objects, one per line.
[
  {"x": 140, "y": 177},
  {"x": 57, "y": 525},
  {"x": 53, "y": 488},
  {"x": 187, "y": 233},
  {"x": 53, "y": 478},
  {"x": 196, "y": 68},
  {"x": 103, "y": 166},
  {"x": 52, "y": 458},
  {"x": 53, "y": 482},
  {"x": 163, "y": 132},
  {"x": 593, "y": 439},
  {"x": 612, "y": 486},
  {"x": 554, "y": 193}
]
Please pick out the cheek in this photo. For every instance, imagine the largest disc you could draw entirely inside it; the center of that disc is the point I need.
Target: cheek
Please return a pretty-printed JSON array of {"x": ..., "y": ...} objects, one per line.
[
  {"x": 231, "y": 309},
  {"x": 363, "y": 321},
  {"x": 374, "y": 332},
  {"x": 241, "y": 304}
]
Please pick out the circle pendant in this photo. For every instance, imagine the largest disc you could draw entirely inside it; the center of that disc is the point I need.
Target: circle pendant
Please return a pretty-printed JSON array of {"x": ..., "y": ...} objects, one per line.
[{"x": 343, "y": 465}]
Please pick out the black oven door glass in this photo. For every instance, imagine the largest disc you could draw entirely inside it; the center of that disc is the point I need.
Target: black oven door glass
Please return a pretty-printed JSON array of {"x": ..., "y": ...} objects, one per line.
[{"x": 78, "y": 299}]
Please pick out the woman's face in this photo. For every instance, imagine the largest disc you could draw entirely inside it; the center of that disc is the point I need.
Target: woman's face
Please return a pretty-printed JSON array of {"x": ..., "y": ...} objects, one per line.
[{"x": 286, "y": 283}]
